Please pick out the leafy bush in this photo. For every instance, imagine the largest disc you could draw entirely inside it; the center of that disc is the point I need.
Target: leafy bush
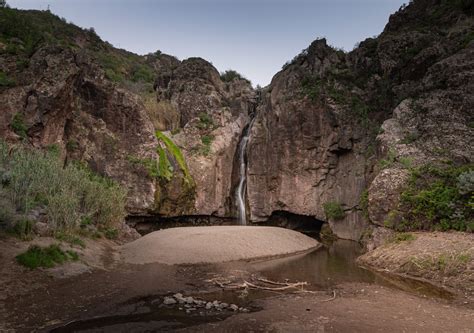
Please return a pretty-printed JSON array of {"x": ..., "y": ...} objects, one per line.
[
  {"x": 334, "y": 211},
  {"x": 110, "y": 233},
  {"x": 18, "y": 125},
  {"x": 205, "y": 122},
  {"x": 389, "y": 160},
  {"x": 230, "y": 75},
  {"x": 23, "y": 228},
  {"x": 465, "y": 183},
  {"x": 5, "y": 81},
  {"x": 47, "y": 257},
  {"x": 142, "y": 73},
  {"x": 434, "y": 200},
  {"x": 69, "y": 194},
  {"x": 206, "y": 144}
]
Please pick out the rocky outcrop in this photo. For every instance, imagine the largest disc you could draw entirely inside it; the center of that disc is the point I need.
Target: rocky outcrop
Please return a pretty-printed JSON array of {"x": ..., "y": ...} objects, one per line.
[
  {"x": 303, "y": 154},
  {"x": 67, "y": 103},
  {"x": 213, "y": 114},
  {"x": 315, "y": 137},
  {"x": 333, "y": 129},
  {"x": 102, "y": 106}
]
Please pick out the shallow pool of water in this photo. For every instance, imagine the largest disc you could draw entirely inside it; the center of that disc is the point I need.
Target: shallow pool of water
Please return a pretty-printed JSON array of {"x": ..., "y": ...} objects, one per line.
[{"x": 323, "y": 269}]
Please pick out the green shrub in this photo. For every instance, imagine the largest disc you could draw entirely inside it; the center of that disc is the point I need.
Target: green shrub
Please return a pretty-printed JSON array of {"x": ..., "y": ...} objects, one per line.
[
  {"x": 5, "y": 81},
  {"x": 409, "y": 138},
  {"x": 143, "y": 73},
  {"x": 69, "y": 194},
  {"x": 364, "y": 203},
  {"x": 389, "y": 160},
  {"x": 334, "y": 211},
  {"x": 407, "y": 162},
  {"x": 72, "y": 145},
  {"x": 47, "y": 257},
  {"x": 110, "y": 233},
  {"x": 230, "y": 75},
  {"x": 465, "y": 182},
  {"x": 205, "y": 122},
  {"x": 18, "y": 125},
  {"x": 206, "y": 141},
  {"x": 23, "y": 228},
  {"x": 434, "y": 200},
  {"x": 312, "y": 87},
  {"x": 403, "y": 237}
]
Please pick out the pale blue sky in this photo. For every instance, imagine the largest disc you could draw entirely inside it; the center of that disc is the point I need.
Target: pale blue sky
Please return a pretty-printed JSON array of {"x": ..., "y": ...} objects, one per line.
[{"x": 254, "y": 37}]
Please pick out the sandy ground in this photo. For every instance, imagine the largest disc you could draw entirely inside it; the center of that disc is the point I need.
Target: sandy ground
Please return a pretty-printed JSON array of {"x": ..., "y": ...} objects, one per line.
[
  {"x": 40, "y": 299},
  {"x": 356, "y": 308},
  {"x": 215, "y": 244}
]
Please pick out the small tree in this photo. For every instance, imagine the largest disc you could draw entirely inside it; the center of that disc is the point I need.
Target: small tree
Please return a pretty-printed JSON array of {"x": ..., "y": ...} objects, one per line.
[{"x": 3, "y": 3}]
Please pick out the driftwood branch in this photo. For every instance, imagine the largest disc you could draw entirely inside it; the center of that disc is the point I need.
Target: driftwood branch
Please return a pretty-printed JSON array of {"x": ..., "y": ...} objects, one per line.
[{"x": 287, "y": 286}]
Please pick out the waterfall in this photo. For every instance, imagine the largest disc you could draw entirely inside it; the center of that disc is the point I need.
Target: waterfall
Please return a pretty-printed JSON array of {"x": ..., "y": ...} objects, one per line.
[{"x": 241, "y": 191}]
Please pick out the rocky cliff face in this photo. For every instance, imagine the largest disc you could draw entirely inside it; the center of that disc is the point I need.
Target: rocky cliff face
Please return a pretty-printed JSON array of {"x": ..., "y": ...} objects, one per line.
[
  {"x": 306, "y": 152},
  {"x": 339, "y": 137},
  {"x": 213, "y": 114},
  {"x": 331, "y": 121},
  {"x": 66, "y": 103},
  {"x": 63, "y": 88}
]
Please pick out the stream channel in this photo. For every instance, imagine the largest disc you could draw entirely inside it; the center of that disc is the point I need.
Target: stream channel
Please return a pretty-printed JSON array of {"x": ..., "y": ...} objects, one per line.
[{"x": 324, "y": 269}]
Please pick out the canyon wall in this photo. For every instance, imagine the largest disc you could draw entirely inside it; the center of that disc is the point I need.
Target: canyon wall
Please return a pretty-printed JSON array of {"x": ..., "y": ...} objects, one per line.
[{"x": 347, "y": 129}]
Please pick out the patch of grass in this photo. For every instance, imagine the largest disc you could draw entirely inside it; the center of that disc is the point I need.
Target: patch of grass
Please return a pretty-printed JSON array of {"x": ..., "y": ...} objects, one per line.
[
  {"x": 407, "y": 162},
  {"x": 70, "y": 238},
  {"x": 18, "y": 125},
  {"x": 23, "y": 229},
  {"x": 448, "y": 263},
  {"x": 403, "y": 237},
  {"x": 364, "y": 203},
  {"x": 334, "y": 211},
  {"x": 178, "y": 156},
  {"x": 46, "y": 257},
  {"x": 149, "y": 164},
  {"x": 389, "y": 160},
  {"x": 69, "y": 193},
  {"x": 409, "y": 138},
  {"x": 110, "y": 233}
]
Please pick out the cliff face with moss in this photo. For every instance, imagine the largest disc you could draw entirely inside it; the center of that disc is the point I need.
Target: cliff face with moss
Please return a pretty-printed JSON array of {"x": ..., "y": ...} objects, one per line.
[
  {"x": 343, "y": 137},
  {"x": 380, "y": 136},
  {"x": 62, "y": 87}
]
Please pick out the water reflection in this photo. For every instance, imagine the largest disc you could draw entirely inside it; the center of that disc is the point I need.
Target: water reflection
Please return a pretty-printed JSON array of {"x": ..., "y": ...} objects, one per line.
[{"x": 323, "y": 268}]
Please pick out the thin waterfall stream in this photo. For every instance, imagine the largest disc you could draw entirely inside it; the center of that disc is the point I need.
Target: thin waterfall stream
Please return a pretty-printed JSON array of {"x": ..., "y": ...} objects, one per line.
[{"x": 241, "y": 191}]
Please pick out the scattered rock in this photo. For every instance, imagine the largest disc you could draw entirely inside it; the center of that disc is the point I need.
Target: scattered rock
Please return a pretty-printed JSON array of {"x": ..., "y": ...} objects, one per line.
[{"x": 169, "y": 301}]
